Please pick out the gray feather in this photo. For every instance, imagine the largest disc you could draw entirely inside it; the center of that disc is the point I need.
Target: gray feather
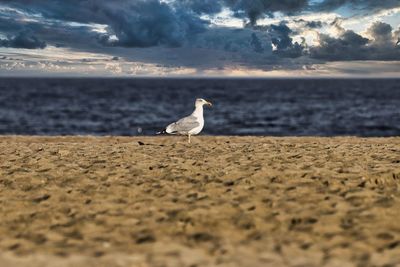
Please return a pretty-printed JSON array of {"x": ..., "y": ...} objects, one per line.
[{"x": 184, "y": 125}]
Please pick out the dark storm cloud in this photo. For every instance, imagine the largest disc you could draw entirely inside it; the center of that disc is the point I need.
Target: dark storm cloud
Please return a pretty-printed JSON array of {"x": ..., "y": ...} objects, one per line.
[
  {"x": 254, "y": 9},
  {"x": 396, "y": 35},
  {"x": 352, "y": 46},
  {"x": 294, "y": 51},
  {"x": 104, "y": 26},
  {"x": 282, "y": 40},
  {"x": 55, "y": 33},
  {"x": 201, "y": 6},
  {"x": 313, "y": 24},
  {"x": 140, "y": 23},
  {"x": 349, "y": 46},
  {"x": 310, "y": 24},
  {"x": 360, "y": 5},
  {"x": 380, "y": 29},
  {"x": 233, "y": 40},
  {"x": 23, "y": 40},
  {"x": 256, "y": 43},
  {"x": 383, "y": 44},
  {"x": 151, "y": 23},
  {"x": 381, "y": 33},
  {"x": 281, "y": 33}
]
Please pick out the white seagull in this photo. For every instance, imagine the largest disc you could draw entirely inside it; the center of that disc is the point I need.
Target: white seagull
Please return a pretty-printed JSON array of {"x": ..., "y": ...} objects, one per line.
[{"x": 190, "y": 125}]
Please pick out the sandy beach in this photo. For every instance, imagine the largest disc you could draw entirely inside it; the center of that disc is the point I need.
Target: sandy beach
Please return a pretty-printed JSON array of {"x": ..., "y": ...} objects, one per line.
[{"x": 220, "y": 201}]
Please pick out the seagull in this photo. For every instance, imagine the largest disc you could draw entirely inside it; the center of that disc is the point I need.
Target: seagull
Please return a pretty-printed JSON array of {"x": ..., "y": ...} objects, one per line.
[{"x": 190, "y": 125}]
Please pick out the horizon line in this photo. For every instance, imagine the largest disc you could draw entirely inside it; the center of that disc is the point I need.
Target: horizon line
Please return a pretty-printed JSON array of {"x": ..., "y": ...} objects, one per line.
[{"x": 196, "y": 77}]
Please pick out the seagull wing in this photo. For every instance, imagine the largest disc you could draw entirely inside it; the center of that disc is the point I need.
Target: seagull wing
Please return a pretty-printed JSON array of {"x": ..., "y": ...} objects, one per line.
[{"x": 184, "y": 125}]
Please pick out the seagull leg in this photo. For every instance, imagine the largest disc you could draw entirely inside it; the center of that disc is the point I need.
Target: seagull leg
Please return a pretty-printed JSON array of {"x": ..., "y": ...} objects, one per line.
[{"x": 189, "y": 138}]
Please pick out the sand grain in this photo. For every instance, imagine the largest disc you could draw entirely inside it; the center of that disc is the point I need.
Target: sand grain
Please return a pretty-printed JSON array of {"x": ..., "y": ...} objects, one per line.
[{"x": 221, "y": 201}]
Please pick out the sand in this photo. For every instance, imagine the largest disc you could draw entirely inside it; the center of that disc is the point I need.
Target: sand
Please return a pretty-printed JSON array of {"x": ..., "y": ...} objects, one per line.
[{"x": 220, "y": 201}]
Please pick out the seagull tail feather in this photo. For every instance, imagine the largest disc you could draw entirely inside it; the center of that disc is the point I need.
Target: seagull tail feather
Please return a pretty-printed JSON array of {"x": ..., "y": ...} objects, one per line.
[{"x": 162, "y": 131}]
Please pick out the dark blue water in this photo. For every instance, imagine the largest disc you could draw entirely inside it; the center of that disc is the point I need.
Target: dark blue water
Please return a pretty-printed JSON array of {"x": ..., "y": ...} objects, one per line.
[{"x": 324, "y": 107}]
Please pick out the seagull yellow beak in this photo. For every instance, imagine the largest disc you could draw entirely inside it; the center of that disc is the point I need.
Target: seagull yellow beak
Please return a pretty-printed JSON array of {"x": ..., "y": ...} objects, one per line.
[{"x": 209, "y": 103}]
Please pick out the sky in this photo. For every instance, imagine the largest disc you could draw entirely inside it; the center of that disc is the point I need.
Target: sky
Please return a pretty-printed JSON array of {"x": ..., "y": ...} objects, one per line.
[{"x": 201, "y": 38}]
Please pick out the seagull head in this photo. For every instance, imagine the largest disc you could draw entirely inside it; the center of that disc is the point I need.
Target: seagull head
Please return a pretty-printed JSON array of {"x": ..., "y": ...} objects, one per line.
[{"x": 201, "y": 102}]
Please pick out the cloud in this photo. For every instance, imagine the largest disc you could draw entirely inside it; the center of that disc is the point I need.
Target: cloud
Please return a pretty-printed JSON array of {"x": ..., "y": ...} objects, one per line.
[
  {"x": 23, "y": 40},
  {"x": 348, "y": 46},
  {"x": 151, "y": 23},
  {"x": 255, "y": 9},
  {"x": 251, "y": 41},
  {"x": 139, "y": 23},
  {"x": 147, "y": 23},
  {"x": 396, "y": 36},
  {"x": 256, "y": 43},
  {"x": 364, "y": 6},
  {"x": 52, "y": 32},
  {"x": 280, "y": 35},
  {"x": 352, "y": 46},
  {"x": 243, "y": 41},
  {"x": 275, "y": 34},
  {"x": 310, "y": 24},
  {"x": 201, "y": 6},
  {"x": 381, "y": 33}
]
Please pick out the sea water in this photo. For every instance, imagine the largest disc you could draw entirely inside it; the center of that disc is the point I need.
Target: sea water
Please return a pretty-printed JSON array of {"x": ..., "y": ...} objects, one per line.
[{"x": 274, "y": 107}]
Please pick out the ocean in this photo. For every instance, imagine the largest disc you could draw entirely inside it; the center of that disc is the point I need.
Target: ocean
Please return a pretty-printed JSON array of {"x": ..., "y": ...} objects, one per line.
[{"x": 142, "y": 106}]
